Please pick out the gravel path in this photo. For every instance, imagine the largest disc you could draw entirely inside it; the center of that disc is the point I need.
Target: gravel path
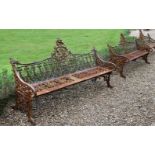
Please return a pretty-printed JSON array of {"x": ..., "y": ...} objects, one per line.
[{"x": 130, "y": 102}]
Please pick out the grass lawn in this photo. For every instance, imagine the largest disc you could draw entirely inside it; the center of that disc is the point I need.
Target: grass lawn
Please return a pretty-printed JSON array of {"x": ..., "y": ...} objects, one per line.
[{"x": 33, "y": 45}]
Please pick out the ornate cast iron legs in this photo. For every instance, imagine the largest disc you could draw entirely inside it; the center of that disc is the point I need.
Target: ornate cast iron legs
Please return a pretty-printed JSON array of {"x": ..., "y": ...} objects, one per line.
[
  {"x": 107, "y": 79},
  {"x": 120, "y": 69},
  {"x": 24, "y": 103},
  {"x": 94, "y": 79},
  {"x": 29, "y": 112},
  {"x": 145, "y": 58}
]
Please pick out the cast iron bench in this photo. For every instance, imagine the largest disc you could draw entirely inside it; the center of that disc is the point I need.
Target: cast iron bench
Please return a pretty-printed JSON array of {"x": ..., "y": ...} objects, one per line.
[
  {"x": 148, "y": 40},
  {"x": 61, "y": 70},
  {"x": 128, "y": 51}
]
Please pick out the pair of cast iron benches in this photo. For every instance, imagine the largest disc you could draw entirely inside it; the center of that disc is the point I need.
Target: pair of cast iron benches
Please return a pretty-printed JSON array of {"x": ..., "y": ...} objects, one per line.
[
  {"x": 128, "y": 51},
  {"x": 60, "y": 70}
]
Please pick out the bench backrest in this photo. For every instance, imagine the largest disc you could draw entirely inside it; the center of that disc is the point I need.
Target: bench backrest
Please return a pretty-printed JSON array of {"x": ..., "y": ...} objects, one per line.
[
  {"x": 121, "y": 49},
  {"x": 61, "y": 62},
  {"x": 145, "y": 38},
  {"x": 127, "y": 46}
]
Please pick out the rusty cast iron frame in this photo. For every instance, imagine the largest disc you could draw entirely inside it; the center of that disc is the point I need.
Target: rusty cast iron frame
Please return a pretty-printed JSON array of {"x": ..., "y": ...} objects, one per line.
[{"x": 62, "y": 69}]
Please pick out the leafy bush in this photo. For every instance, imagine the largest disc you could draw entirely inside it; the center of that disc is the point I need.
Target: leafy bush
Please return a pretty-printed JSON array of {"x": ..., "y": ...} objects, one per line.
[{"x": 6, "y": 84}]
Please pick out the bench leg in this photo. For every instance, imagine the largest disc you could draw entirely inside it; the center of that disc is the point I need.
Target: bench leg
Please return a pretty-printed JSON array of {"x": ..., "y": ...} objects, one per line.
[
  {"x": 121, "y": 71},
  {"x": 94, "y": 80},
  {"x": 24, "y": 103},
  {"x": 29, "y": 112},
  {"x": 145, "y": 58},
  {"x": 107, "y": 79}
]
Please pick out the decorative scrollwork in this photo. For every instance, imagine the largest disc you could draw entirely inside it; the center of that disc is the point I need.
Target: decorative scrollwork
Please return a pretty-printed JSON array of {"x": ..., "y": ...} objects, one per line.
[
  {"x": 118, "y": 60},
  {"x": 147, "y": 38},
  {"x": 61, "y": 53},
  {"x": 102, "y": 63},
  {"x": 123, "y": 40},
  {"x": 149, "y": 42},
  {"x": 24, "y": 92},
  {"x": 141, "y": 35},
  {"x": 142, "y": 45}
]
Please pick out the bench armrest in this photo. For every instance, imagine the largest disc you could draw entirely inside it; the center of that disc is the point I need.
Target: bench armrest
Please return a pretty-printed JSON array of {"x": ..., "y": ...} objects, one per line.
[
  {"x": 22, "y": 87},
  {"x": 117, "y": 59},
  {"x": 109, "y": 64},
  {"x": 100, "y": 62},
  {"x": 143, "y": 45}
]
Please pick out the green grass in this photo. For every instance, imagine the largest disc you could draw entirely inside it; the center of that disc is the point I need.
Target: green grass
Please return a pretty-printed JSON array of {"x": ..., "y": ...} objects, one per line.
[{"x": 34, "y": 45}]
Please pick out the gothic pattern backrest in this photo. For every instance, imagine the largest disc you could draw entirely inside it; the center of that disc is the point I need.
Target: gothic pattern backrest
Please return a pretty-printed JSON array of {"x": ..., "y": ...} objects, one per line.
[
  {"x": 60, "y": 63},
  {"x": 84, "y": 61},
  {"x": 122, "y": 39},
  {"x": 61, "y": 53},
  {"x": 142, "y": 37},
  {"x": 129, "y": 47},
  {"x": 34, "y": 72},
  {"x": 113, "y": 51},
  {"x": 68, "y": 62},
  {"x": 141, "y": 45}
]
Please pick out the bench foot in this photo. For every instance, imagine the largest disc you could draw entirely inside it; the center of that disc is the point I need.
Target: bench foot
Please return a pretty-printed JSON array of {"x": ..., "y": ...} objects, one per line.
[
  {"x": 122, "y": 75},
  {"x": 94, "y": 80},
  {"x": 29, "y": 112},
  {"x": 145, "y": 58},
  {"x": 108, "y": 83},
  {"x": 121, "y": 72},
  {"x": 31, "y": 121},
  {"x": 107, "y": 79},
  {"x": 109, "y": 86}
]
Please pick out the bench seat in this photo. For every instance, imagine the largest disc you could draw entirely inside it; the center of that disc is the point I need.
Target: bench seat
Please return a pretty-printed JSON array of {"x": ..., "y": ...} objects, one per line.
[
  {"x": 70, "y": 79},
  {"x": 135, "y": 55}
]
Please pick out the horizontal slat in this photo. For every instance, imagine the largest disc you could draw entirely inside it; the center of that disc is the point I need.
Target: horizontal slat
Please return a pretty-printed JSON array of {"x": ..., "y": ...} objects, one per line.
[
  {"x": 72, "y": 79},
  {"x": 136, "y": 54}
]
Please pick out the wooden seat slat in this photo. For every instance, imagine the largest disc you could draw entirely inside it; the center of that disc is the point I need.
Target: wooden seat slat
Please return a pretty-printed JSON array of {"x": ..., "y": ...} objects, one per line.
[
  {"x": 72, "y": 79},
  {"x": 134, "y": 55}
]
